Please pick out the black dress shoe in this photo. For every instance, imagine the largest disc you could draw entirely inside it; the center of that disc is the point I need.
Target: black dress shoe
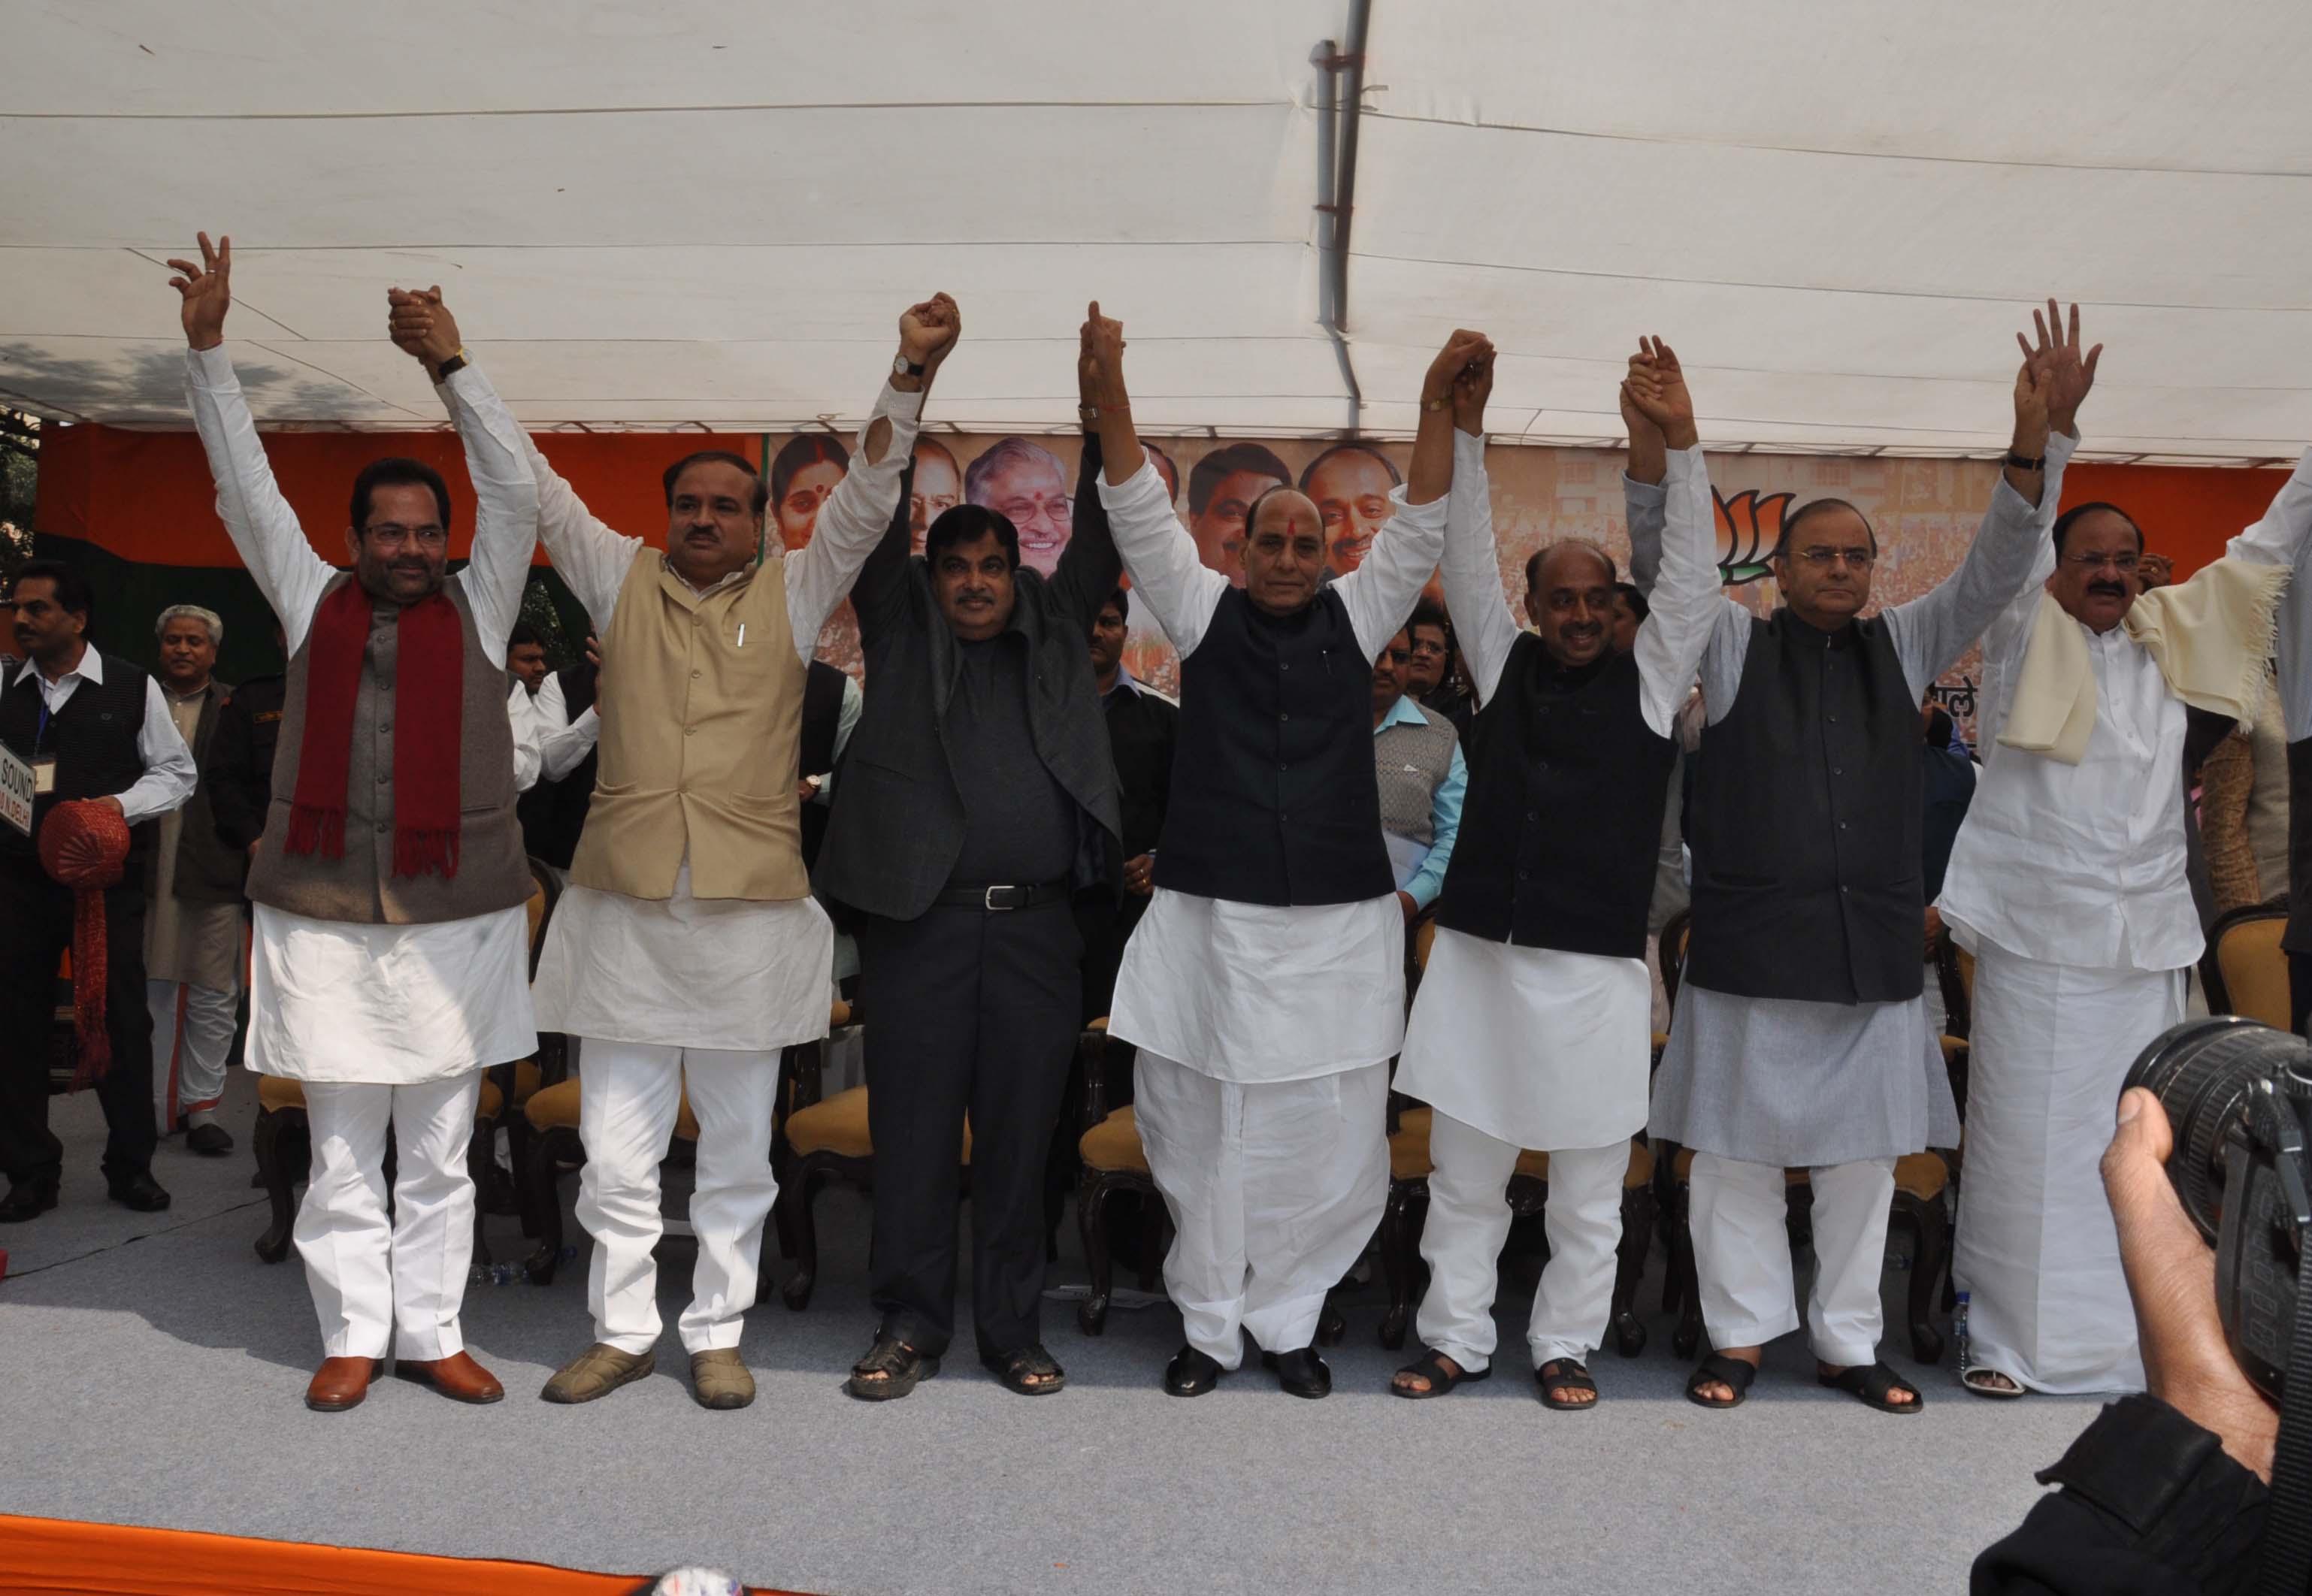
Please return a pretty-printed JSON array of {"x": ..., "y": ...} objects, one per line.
[
  {"x": 209, "y": 1139},
  {"x": 1190, "y": 1373},
  {"x": 1301, "y": 1373},
  {"x": 28, "y": 1199},
  {"x": 139, "y": 1191}
]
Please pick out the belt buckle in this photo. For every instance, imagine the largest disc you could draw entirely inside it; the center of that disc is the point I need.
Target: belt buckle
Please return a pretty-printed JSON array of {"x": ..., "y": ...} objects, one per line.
[{"x": 1001, "y": 899}]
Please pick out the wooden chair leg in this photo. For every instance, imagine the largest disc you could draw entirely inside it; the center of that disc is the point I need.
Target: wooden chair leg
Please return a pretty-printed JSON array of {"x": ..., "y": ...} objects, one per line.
[
  {"x": 481, "y": 1153},
  {"x": 272, "y": 1126},
  {"x": 1687, "y": 1336},
  {"x": 796, "y": 1292},
  {"x": 1332, "y": 1324},
  {"x": 1155, "y": 1236},
  {"x": 1091, "y": 1220},
  {"x": 1397, "y": 1246},
  {"x": 545, "y": 1202},
  {"x": 1629, "y": 1265},
  {"x": 1929, "y": 1259},
  {"x": 519, "y": 1138}
]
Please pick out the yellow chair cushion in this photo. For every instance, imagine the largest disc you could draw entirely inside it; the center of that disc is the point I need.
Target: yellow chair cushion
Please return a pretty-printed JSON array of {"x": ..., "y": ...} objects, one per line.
[
  {"x": 838, "y": 1125},
  {"x": 1113, "y": 1145},
  {"x": 1923, "y": 1175},
  {"x": 556, "y": 1108},
  {"x": 277, "y": 1092},
  {"x": 526, "y": 1081},
  {"x": 838, "y": 1015},
  {"x": 2256, "y": 969}
]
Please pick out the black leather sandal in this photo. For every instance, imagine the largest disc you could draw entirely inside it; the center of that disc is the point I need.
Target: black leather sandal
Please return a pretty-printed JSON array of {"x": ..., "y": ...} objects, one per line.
[
  {"x": 1430, "y": 1366},
  {"x": 901, "y": 1367},
  {"x": 1570, "y": 1376},
  {"x": 1871, "y": 1385},
  {"x": 1733, "y": 1373},
  {"x": 1015, "y": 1369}
]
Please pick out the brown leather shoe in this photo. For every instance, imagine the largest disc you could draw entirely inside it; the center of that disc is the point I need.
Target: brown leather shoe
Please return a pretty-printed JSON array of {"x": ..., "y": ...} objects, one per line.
[
  {"x": 341, "y": 1382},
  {"x": 457, "y": 1377}
]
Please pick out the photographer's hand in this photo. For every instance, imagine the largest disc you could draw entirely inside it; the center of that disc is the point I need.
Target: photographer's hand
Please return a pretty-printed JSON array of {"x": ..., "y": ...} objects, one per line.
[{"x": 2171, "y": 1274}]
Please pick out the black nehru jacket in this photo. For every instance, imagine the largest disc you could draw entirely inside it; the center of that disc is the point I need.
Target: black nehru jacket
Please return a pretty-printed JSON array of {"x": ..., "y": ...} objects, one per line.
[
  {"x": 1562, "y": 827},
  {"x": 1143, "y": 730},
  {"x": 822, "y": 718},
  {"x": 237, "y": 766},
  {"x": 1805, "y": 823},
  {"x": 1274, "y": 798},
  {"x": 93, "y": 738}
]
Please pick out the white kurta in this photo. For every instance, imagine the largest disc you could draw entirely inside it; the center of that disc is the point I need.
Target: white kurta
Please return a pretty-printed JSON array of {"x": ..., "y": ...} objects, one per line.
[
  {"x": 1253, "y": 993},
  {"x": 731, "y": 975},
  {"x": 1535, "y": 1046},
  {"x": 389, "y": 1005}
]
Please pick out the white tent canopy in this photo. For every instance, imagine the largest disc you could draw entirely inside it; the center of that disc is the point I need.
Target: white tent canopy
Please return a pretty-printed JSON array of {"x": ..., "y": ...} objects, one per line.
[{"x": 685, "y": 214}]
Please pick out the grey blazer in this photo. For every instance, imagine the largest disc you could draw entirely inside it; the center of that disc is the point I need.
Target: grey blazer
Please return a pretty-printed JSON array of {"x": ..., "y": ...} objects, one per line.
[{"x": 898, "y": 824}]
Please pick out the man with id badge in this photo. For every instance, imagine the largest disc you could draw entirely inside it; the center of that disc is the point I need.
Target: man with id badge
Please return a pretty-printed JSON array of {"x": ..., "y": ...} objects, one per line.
[{"x": 76, "y": 723}]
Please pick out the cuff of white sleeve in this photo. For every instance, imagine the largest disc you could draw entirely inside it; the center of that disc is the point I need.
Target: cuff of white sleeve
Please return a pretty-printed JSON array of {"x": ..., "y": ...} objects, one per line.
[
  {"x": 211, "y": 368},
  {"x": 1643, "y": 492},
  {"x": 1468, "y": 445},
  {"x": 1418, "y": 515},
  {"x": 1139, "y": 485},
  {"x": 897, "y": 405},
  {"x": 1683, "y": 464}
]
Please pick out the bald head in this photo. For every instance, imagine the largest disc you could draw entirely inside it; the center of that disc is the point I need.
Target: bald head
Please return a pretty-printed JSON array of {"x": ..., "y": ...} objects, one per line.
[
  {"x": 1284, "y": 550},
  {"x": 1570, "y": 596}
]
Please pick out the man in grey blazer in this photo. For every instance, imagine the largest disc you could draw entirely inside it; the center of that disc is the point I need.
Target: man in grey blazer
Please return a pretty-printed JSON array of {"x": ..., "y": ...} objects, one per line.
[{"x": 977, "y": 799}]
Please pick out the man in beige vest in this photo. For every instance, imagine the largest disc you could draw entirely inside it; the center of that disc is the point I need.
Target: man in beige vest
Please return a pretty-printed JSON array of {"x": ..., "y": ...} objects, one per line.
[
  {"x": 687, "y": 951},
  {"x": 392, "y": 957}
]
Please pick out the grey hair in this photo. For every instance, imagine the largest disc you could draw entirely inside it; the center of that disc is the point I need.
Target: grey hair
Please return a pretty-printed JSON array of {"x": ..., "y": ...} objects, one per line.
[
  {"x": 193, "y": 612},
  {"x": 1007, "y": 451}
]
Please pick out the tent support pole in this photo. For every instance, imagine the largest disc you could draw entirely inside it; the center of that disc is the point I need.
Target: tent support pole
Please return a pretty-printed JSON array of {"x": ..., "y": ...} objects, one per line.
[{"x": 1339, "y": 106}]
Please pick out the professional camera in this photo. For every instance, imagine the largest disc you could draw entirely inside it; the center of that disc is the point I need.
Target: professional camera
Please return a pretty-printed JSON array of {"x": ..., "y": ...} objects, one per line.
[{"x": 2238, "y": 1095}]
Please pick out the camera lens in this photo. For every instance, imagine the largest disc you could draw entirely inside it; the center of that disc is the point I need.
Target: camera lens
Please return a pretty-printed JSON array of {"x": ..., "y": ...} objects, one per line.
[{"x": 2204, "y": 1073}]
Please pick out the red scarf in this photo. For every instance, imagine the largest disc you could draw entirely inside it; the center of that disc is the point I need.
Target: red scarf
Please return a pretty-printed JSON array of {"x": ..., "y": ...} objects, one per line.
[
  {"x": 83, "y": 845},
  {"x": 429, "y": 685}
]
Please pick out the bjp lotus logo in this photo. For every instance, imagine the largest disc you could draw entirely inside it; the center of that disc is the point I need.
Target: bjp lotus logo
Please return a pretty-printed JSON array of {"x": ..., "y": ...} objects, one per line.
[{"x": 1748, "y": 528}]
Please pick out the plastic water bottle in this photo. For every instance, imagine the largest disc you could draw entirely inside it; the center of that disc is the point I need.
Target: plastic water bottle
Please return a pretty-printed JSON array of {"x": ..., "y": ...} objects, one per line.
[{"x": 1958, "y": 1330}]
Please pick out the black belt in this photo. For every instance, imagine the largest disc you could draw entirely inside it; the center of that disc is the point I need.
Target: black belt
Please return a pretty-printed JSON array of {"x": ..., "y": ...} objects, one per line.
[{"x": 996, "y": 899}]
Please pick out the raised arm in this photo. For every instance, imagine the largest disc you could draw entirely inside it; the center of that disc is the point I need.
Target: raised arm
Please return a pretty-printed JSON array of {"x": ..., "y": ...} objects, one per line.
[
  {"x": 1484, "y": 623},
  {"x": 1686, "y": 600},
  {"x": 1379, "y": 593},
  {"x": 1642, "y": 492},
  {"x": 1089, "y": 566},
  {"x": 1931, "y": 631},
  {"x": 264, "y": 530},
  {"x": 497, "y": 459},
  {"x": 592, "y": 559},
  {"x": 1152, "y": 545},
  {"x": 858, "y": 515}
]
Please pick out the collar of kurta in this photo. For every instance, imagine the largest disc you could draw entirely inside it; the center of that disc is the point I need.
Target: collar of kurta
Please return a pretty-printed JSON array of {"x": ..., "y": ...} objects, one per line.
[{"x": 2210, "y": 636}]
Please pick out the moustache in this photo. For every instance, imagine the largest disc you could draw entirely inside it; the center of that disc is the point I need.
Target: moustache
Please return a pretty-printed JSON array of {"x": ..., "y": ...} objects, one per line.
[{"x": 2107, "y": 589}]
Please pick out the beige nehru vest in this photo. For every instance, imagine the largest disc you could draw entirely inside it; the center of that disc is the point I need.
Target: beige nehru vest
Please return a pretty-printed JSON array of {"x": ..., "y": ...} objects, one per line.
[
  {"x": 360, "y": 887},
  {"x": 701, "y": 706}
]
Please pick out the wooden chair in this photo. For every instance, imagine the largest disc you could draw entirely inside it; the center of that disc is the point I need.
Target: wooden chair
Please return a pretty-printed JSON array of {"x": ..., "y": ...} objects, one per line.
[
  {"x": 283, "y": 1136},
  {"x": 1113, "y": 1160},
  {"x": 1527, "y": 1193},
  {"x": 2244, "y": 970},
  {"x": 816, "y": 1141}
]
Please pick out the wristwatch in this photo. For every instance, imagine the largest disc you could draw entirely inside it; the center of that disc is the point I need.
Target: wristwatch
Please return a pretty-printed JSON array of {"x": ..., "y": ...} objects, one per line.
[
  {"x": 2025, "y": 462},
  {"x": 454, "y": 364},
  {"x": 901, "y": 366}
]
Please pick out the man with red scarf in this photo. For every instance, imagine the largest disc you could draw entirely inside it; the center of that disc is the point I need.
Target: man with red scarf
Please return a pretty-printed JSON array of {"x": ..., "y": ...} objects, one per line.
[{"x": 392, "y": 951}]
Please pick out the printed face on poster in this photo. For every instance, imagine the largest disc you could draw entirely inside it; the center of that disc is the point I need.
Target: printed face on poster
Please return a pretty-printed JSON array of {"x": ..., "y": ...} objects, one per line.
[{"x": 1924, "y": 513}]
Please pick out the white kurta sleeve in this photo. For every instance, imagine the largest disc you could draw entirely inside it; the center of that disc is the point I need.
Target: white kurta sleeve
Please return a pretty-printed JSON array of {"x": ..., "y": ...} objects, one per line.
[
  {"x": 522, "y": 714},
  {"x": 592, "y": 560},
  {"x": 170, "y": 773},
  {"x": 1381, "y": 592},
  {"x": 2279, "y": 538},
  {"x": 852, "y": 521},
  {"x": 2005, "y": 639},
  {"x": 506, "y": 514},
  {"x": 1484, "y": 624},
  {"x": 1159, "y": 556},
  {"x": 1686, "y": 601},
  {"x": 264, "y": 530}
]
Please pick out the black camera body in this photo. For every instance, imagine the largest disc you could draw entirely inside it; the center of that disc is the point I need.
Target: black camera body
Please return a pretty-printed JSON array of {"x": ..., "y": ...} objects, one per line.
[{"x": 2239, "y": 1096}]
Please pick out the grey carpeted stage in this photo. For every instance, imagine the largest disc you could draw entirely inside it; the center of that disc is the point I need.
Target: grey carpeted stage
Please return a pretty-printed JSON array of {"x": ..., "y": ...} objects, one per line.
[{"x": 151, "y": 1369}]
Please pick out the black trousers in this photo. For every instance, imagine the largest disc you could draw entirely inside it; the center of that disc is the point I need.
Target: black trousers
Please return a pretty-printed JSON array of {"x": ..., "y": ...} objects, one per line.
[
  {"x": 2300, "y": 990},
  {"x": 968, "y": 1012},
  {"x": 36, "y": 927}
]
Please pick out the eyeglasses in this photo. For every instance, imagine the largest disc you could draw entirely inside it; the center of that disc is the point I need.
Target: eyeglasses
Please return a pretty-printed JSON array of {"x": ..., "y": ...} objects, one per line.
[
  {"x": 1858, "y": 558},
  {"x": 2126, "y": 565},
  {"x": 394, "y": 532}
]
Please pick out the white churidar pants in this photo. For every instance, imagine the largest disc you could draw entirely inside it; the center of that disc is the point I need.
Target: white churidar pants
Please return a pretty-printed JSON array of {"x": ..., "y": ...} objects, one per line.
[
  {"x": 408, "y": 1273},
  {"x": 1469, "y": 1220},
  {"x": 188, "y": 1064},
  {"x": 2038, "y": 1252},
  {"x": 629, "y": 1097},
  {"x": 1274, "y": 1189},
  {"x": 1742, "y": 1254}
]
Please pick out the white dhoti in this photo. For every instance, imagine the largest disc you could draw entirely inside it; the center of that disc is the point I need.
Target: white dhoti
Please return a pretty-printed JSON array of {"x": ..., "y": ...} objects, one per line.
[
  {"x": 2038, "y": 1252},
  {"x": 1742, "y": 1254},
  {"x": 407, "y": 1274},
  {"x": 192, "y": 1034},
  {"x": 628, "y": 1098},
  {"x": 1273, "y": 1187}
]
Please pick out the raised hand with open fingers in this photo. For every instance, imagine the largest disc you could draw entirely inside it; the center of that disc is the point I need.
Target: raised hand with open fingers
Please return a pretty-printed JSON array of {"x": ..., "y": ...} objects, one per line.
[{"x": 207, "y": 291}]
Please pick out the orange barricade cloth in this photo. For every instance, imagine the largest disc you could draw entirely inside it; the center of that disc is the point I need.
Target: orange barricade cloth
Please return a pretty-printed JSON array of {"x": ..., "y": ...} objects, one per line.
[
  {"x": 65, "y": 1557},
  {"x": 84, "y": 846}
]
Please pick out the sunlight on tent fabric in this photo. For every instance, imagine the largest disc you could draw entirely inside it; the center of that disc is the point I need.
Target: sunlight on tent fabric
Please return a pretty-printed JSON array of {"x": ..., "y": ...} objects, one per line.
[{"x": 702, "y": 214}]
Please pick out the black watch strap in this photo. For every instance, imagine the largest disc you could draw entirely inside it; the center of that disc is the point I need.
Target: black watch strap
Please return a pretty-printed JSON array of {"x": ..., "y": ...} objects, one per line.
[
  {"x": 2027, "y": 462},
  {"x": 451, "y": 367}
]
